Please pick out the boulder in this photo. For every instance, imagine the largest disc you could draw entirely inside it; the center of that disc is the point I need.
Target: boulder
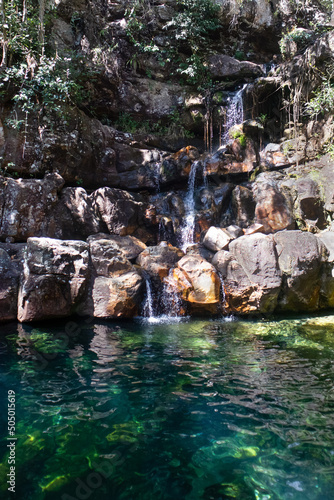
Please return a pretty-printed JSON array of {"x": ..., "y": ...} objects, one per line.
[
  {"x": 252, "y": 279},
  {"x": 158, "y": 260},
  {"x": 273, "y": 208},
  {"x": 117, "y": 297},
  {"x": 27, "y": 207},
  {"x": 222, "y": 66},
  {"x": 54, "y": 280},
  {"x": 118, "y": 210},
  {"x": 128, "y": 246},
  {"x": 216, "y": 239},
  {"x": 301, "y": 258},
  {"x": 199, "y": 284}
]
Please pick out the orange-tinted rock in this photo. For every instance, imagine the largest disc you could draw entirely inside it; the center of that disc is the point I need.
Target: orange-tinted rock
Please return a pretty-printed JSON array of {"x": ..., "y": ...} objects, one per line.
[{"x": 203, "y": 296}]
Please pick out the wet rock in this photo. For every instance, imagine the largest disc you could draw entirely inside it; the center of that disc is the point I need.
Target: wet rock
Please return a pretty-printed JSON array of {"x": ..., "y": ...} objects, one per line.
[
  {"x": 252, "y": 279},
  {"x": 300, "y": 256},
  {"x": 54, "y": 280},
  {"x": 216, "y": 239},
  {"x": 199, "y": 284}
]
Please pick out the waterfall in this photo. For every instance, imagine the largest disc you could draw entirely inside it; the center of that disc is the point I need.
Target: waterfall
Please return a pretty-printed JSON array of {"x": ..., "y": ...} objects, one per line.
[
  {"x": 234, "y": 113},
  {"x": 170, "y": 299},
  {"x": 148, "y": 311},
  {"x": 187, "y": 229}
]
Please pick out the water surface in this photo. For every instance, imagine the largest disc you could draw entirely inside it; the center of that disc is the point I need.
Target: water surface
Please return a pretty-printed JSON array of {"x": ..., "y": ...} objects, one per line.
[{"x": 188, "y": 410}]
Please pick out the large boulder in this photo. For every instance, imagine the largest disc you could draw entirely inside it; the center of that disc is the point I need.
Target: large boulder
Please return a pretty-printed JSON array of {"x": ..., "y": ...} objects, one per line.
[
  {"x": 222, "y": 66},
  {"x": 251, "y": 277},
  {"x": 199, "y": 284},
  {"x": 301, "y": 256},
  {"x": 129, "y": 246},
  {"x": 273, "y": 208},
  {"x": 117, "y": 297},
  {"x": 27, "y": 207},
  {"x": 54, "y": 280}
]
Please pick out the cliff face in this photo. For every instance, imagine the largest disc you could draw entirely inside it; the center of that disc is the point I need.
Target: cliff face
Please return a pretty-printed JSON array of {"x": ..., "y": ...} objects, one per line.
[{"x": 187, "y": 121}]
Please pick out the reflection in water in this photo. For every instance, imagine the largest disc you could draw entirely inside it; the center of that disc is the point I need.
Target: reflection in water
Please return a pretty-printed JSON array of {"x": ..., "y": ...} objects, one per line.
[{"x": 190, "y": 410}]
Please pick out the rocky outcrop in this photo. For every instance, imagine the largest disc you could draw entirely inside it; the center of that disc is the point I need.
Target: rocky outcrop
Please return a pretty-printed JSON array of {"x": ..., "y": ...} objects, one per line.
[
  {"x": 300, "y": 257},
  {"x": 251, "y": 276},
  {"x": 54, "y": 279}
]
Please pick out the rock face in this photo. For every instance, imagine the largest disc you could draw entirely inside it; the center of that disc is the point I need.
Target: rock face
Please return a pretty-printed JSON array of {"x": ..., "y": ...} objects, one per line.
[
  {"x": 251, "y": 277},
  {"x": 54, "y": 279},
  {"x": 9, "y": 285},
  {"x": 300, "y": 256}
]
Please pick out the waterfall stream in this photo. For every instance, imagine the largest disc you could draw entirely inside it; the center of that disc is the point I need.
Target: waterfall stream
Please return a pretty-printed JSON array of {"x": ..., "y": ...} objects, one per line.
[
  {"x": 188, "y": 227},
  {"x": 234, "y": 113}
]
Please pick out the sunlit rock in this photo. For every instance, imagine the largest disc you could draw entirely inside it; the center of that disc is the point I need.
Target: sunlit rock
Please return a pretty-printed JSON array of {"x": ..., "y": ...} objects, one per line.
[
  {"x": 54, "y": 280},
  {"x": 300, "y": 256},
  {"x": 199, "y": 284},
  {"x": 216, "y": 239}
]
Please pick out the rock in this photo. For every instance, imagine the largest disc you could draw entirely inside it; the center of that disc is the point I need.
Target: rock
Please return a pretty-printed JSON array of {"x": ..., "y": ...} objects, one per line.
[
  {"x": 234, "y": 231},
  {"x": 55, "y": 278},
  {"x": 107, "y": 260},
  {"x": 200, "y": 284},
  {"x": 273, "y": 158},
  {"x": 254, "y": 228},
  {"x": 27, "y": 206},
  {"x": 158, "y": 260},
  {"x": 128, "y": 246},
  {"x": 117, "y": 297},
  {"x": 243, "y": 206},
  {"x": 222, "y": 66},
  {"x": 273, "y": 208},
  {"x": 76, "y": 214},
  {"x": 300, "y": 256},
  {"x": 252, "y": 279},
  {"x": 118, "y": 210},
  {"x": 9, "y": 285},
  {"x": 216, "y": 239}
]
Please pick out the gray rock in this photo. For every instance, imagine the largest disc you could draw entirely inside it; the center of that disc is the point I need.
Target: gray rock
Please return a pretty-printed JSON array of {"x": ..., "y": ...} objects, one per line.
[{"x": 300, "y": 256}]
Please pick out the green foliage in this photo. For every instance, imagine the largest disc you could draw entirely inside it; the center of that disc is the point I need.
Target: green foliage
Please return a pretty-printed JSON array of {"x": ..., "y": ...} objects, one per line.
[
  {"x": 127, "y": 123},
  {"x": 193, "y": 22},
  {"x": 323, "y": 100},
  {"x": 35, "y": 77},
  {"x": 240, "y": 136},
  {"x": 298, "y": 35}
]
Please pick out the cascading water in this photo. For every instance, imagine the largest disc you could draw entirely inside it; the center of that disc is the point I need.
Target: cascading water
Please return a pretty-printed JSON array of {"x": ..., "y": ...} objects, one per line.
[
  {"x": 187, "y": 229},
  {"x": 234, "y": 113},
  {"x": 170, "y": 299},
  {"x": 148, "y": 311}
]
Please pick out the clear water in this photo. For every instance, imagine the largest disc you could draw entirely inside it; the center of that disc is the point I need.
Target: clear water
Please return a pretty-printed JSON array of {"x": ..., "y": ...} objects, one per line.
[{"x": 188, "y": 410}]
